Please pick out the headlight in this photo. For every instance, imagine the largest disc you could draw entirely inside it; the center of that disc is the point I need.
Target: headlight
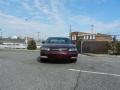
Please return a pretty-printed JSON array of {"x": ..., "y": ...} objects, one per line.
[
  {"x": 72, "y": 49},
  {"x": 45, "y": 48}
]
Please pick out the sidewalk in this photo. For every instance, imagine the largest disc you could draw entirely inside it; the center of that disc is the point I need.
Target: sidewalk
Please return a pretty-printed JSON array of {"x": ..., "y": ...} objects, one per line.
[
  {"x": 101, "y": 55},
  {"x": 18, "y": 49}
]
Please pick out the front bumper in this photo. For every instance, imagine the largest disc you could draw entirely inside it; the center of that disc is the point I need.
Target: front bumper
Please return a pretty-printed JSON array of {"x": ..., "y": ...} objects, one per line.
[{"x": 58, "y": 55}]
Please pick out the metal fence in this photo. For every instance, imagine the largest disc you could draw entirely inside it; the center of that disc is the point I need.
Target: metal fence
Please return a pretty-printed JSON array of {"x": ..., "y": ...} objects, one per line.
[{"x": 98, "y": 47}]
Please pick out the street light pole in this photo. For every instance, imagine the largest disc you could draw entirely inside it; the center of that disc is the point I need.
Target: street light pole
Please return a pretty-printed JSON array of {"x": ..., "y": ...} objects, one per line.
[
  {"x": 92, "y": 28},
  {"x": 81, "y": 46},
  {"x": 38, "y": 36},
  {"x": 70, "y": 32},
  {"x": 26, "y": 38},
  {"x": 0, "y": 33}
]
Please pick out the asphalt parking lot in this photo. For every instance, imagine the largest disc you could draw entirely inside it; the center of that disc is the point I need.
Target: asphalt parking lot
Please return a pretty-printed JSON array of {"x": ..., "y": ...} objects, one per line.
[{"x": 21, "y": 70}]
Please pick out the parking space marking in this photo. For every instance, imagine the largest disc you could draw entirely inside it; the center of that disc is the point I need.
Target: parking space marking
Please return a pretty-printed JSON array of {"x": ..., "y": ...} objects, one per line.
[{"x": 91, "y": 72}]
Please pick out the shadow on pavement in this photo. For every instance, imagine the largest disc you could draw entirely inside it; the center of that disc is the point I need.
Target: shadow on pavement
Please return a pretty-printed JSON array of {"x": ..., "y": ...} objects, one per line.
[{"x": 54, "y": 61}]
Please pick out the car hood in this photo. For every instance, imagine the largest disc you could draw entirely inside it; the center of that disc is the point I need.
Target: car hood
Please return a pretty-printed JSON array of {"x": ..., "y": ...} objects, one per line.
[{"x": 59, "y": 45}]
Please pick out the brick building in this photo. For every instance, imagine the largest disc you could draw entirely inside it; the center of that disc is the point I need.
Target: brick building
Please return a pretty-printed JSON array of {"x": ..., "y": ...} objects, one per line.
[
  {"x": 91, "y": 43},
  {"x": 90, "y": 37},
  {"x": 103, "y": 37}
]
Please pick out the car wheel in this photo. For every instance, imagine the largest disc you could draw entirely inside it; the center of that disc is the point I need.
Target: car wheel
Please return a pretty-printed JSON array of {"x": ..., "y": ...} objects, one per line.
[{"x": 38, "y": 59}]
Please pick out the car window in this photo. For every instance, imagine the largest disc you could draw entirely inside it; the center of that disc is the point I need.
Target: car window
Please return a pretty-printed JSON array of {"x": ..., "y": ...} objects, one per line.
[{"x": 58, "y": 41}]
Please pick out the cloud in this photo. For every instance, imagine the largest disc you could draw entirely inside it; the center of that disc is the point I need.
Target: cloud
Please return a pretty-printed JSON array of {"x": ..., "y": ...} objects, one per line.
[
  {"x": 56, "y": 14},
  {"x": 51, "y": 17},
  {"x": 45, "y": 17},
  {"x": 50, "y": 11},
  {"x": 97, "y": 1},
  {"x": 22, "y": 27},
  {"x": 27, "y": 6},
  {"x": 4, "y": 2},
  {"x": 41, "y": 6},
  {"x": 99, "y": 26},
  {"x": 13, "y": 21},
  {"x": 101, "y": 1}
]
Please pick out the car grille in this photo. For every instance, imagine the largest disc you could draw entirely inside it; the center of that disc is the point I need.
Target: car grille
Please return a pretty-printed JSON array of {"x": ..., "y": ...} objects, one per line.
[{"x": 59, "y": 49}]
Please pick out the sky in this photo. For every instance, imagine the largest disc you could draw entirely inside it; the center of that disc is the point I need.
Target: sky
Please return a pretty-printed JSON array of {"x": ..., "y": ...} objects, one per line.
[{"x": 54, "y": 17}]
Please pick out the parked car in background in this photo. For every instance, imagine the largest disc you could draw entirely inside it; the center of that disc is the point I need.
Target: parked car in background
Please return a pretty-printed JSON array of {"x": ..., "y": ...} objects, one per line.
[{"x": 58, "y": 48}]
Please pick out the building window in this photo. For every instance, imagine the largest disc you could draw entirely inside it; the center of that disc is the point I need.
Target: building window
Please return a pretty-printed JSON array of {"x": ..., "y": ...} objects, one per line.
[
  {"x": 73, "y": 37},
  {"x": 87, "y": 37},
  {"x": 93, "y": 36},
  {"x": 84, "y": 37}
]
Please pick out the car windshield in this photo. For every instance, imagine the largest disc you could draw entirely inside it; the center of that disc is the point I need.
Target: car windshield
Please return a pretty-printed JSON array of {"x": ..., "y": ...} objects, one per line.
[{"x": 58, "y": 41}]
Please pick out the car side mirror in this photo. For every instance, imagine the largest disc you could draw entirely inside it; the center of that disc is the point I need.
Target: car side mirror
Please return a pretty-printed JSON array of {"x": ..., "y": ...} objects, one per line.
[{"x": 43, "y": 42}]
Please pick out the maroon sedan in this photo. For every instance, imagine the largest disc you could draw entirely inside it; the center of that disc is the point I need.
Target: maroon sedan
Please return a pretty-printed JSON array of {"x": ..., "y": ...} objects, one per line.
[{"x": 58, "y": 48}]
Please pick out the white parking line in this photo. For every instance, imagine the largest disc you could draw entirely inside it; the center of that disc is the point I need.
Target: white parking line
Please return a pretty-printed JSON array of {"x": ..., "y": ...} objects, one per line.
[{"x": 99, "y": 73}]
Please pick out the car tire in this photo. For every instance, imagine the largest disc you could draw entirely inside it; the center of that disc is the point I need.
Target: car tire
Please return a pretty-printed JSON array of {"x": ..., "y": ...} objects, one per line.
[
  {"x": 41, "y": 60},
  {"x": 74, "y": 60}
]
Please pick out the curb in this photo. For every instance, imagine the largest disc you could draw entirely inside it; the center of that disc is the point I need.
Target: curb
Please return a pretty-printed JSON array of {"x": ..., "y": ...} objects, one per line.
[{"x": 100, "y": 55}]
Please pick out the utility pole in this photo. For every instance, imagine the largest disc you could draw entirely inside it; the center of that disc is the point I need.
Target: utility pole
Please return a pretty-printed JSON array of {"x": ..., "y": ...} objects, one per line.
[
  {"x": 92, "y": 28},
  {"x": 70, "y": 34}
]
